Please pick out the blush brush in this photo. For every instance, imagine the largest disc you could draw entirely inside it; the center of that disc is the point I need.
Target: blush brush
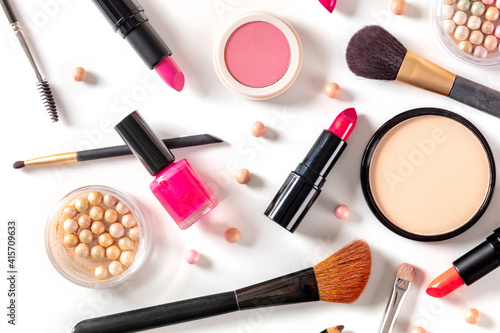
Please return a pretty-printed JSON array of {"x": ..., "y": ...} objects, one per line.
[
  {"x": 374, "y": 53},
  {"x": 341, "y": 278}
]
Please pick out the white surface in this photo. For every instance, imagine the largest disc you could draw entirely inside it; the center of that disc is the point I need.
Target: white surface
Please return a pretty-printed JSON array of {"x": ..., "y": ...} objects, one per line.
[{"x": 66, "y": 34}]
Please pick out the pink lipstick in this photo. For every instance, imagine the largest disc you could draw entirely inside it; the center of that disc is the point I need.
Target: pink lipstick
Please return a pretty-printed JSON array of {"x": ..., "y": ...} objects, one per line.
[
  {"x": 329, "y": 4},
  {"x": 127, "y": 17},
  {"x": 303, "y": 186}
]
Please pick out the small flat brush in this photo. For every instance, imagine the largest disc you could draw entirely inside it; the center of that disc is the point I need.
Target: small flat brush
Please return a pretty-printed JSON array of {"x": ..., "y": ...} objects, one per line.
[
  {"x": 114, "y": 151},
  {"x": 404, "y": 277},
  {"x": 43, "y": 85},
  {"x": 374, "y": 53},
  {"x": 336, "y": 329},
  {"x": 340, "y": 278}
]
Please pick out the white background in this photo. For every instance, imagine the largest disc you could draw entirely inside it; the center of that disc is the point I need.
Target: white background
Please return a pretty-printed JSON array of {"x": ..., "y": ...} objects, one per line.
[{"x": 64, "y": 34}]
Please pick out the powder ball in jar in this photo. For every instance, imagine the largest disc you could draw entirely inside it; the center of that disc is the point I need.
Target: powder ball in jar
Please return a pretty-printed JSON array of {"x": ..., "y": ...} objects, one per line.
[
  {"x": 127, "y": 258},
  {"x": 101, "y": 273},
  {"x": 113, "y": 252},
  {"x": 70, "y": 226},
  {"x": 82, "y": 250},
  {"x": 117, "y": 230},
  {"x": 86, "y": 236},
  {"x": 70, "y": 240},
  {"x": 122, "y": 208},
  {"x": 128, "y": 221},
  {"x": 96, "y": 213},
  {"x": 98, "y": 252},
  {"x": 134, "y": 234},
  {"x": 69, "y": 212},
  {"x": 125, "y": 244},
  {"x": 95, "y": 198},
  {"x": 82, "y": 205},
  {"x": 116, "y": 268},
  {"x": 105, "y": 239},
  {"x": 84, "y": 221},
  {"x": 98, "y": 227},
  {"x": 109, "y": 200},
  {"x": 111, "y": 215}
]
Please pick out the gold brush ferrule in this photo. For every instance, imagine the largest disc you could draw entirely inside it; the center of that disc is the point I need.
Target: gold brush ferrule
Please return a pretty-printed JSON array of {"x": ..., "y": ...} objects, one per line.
[
  {"x": 422, "y": 73},
  {"x": 52, "y": 159}
]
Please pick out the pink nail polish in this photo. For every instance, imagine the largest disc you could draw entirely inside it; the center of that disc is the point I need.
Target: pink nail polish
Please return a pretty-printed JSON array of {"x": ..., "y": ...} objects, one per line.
[{"x": 179, "y": 189}]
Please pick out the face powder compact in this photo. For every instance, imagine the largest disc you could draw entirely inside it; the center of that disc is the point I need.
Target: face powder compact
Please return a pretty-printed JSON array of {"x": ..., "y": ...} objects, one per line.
[
  {"x": 428, "y": 174},
  {"x": 258, "y": 56}
]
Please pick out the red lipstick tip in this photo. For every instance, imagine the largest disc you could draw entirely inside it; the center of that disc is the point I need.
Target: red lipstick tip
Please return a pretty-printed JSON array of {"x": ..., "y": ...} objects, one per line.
[
  {"x": 329, "y": 4},
  {"x": 343, "y": 125},
  {"x": 170, "y": 73},
  {"x": 445, "y": 284}
]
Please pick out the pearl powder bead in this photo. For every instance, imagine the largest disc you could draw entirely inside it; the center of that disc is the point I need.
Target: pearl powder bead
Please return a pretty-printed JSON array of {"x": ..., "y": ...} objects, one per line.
[
  {"x": 134, "y": 234},
  {"x": 466, "y": 47},
  {"x": 96, "y": 213},
  {"x": 449, "y": 26},
  {"x": 125, "y": 244},
  {"x": 476, "y": 37},
  {"x": 69, "y": 212},
  {"x": 128, "y": 221},
  {"x": 461, "y": 33},
  {"x": 448, "y": 12},
  {"x": 86, "y": 236},
  {"x": 492, "y": 14},
  {"x": 95, "y": 198},
  {"x": 70, "y": 240},
  {"x": 418, "y": 330},
  {"x": 113, "y": 252},
  {"x": 332, "y": 89},
  {"x": 82, "y": 250},
  {"x": 480, "y": 52},
  {"x": 497, "y": 4},
  {"x": 98, "y": 227},
  {"x": 342, "y": 212},
  {"x": 70, "y": 226},
  {"x": 487, "y": 28},
  {"x": 79, "y": 74},
  {"x": 101, "y": 273},
  {"x": 490, "y": 43},
  {"x": 488, "y": 2},
  {"x": 109, "y": 200},
  {"x": 117, "y": 230},
  {"x": 116, "y": 268},
  {"x": 232, "y": 235},
  {"x": 450, "y": 2},
  {"x": 105, "y": 239},
  {"x": 258, "y": 129},
  {"x": 111, "y": 215},
  {"x": 98, "y": 252},
  {"x": 472, "y": 316},
  {"x": 398, "y": 7},
  {"x": 460, "y": 18},
  {"x": 192, "y": 257},
  {"x": 497, "y": 31},
  {"x": 243, "y": 176},
  {"x": 474, "y": 22},
  {"x": 121, "y": 208},
  {"x": 84, "y": 221},
  {"x": 464, "y": 5},
  {"x": 478, "y": 8},
  {"x": 127, "y": 258},
  {"x": 82, "y": 205}
]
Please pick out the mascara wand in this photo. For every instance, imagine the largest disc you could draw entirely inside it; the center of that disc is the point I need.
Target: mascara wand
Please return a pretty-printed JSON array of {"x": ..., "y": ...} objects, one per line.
[{"x": 43, "y": 85}]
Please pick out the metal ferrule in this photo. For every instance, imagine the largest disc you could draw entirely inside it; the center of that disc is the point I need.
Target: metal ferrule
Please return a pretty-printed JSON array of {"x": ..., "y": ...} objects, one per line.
[
  {"x": 53, "y": 159},
  {"x": 394, "y": 304}
]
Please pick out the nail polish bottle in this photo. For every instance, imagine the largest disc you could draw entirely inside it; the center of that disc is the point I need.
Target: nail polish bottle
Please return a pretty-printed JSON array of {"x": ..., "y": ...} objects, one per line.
[{"x": 176, "y": 185}]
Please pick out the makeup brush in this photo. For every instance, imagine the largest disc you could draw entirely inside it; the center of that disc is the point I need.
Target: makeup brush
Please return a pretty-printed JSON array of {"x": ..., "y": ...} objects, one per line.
[
  {"x": 374, "y": 53},
  {"x": 329, "y": 4},
  {"x": 340, "y": 278},
  {"x": 404, "y": 277},
  {"x": 113, "y": 151},
  {"x": 43, "y": 85},
  {"x": 336, "y": 329}
]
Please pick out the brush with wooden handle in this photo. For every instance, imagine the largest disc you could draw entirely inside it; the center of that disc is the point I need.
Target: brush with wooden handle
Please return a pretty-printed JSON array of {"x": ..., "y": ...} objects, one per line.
[
  {"x": 341, "y": 278},
  {"x": 374, "y": 53}
]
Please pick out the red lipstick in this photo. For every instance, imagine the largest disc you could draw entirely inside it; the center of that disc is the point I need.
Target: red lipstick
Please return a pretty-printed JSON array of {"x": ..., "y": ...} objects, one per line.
[
  {"x": 329, "y": 4},
  {"x": 303, "y": 186}
]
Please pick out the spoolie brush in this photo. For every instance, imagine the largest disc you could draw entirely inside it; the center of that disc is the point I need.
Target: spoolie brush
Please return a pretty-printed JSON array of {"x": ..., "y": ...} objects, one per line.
[
  {"x": 341, "y": 278},
  {"x": 43, "y": 85},
  {"x": 374, "y": 53}
]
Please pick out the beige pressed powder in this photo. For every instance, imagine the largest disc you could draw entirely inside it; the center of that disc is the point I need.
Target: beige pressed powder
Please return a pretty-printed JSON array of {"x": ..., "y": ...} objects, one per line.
[{"x": 428, "y": 174}]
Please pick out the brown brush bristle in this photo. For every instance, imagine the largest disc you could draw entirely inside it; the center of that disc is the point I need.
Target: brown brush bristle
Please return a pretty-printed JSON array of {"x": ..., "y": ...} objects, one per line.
[
  {"x": 18, "y": 165},
  {"x": 343, "y": 276},
  {"x": 406, "y": 272},
  {"x": 374, "y": 53},
  {"x": 336, "y": 329}
]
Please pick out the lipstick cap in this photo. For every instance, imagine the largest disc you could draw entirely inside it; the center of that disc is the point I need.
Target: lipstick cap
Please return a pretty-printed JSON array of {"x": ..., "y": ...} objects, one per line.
[{"x": 144, "y": 143}]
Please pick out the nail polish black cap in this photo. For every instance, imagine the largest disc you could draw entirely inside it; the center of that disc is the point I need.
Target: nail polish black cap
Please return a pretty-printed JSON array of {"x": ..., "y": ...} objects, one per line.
[{"x": 144, "y": 143}]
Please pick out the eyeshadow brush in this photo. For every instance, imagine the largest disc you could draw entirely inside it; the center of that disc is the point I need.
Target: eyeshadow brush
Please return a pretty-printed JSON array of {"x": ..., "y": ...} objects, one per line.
[
  {"x": 374, "y": 53},
  {"x": 341, "y": 278},
  {"x": 113, "y": 151},
  {"x": 43, "y": 85},
  {"x": 336, "y": 329}
]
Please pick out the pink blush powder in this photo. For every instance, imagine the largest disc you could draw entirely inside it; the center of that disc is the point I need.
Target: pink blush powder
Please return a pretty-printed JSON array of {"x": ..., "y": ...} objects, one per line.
[{"x": 257, "y": 54}]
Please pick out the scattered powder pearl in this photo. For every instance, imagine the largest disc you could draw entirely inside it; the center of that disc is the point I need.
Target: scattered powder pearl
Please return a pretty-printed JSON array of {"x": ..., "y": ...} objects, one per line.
[
  {"x": 490, "y": 43},
  {"x": 474, "y": 22},
  {"x": 69, "y": 212},
  {"x": 449, "y": 26},
  {"x": 192, "y": 257},
  {"x": 113, "y": 252},
  {"x": 128, "y": 221},
  {"x": 82, "y": 205},
  {"x": 460, "y": 18},
  {"x": 464, "y": 5},
  {"x": 450, "y": 2},
  {"x": 398, "y": 7},
  {"x": 70, "y": 240},
  {"x": 105, "y": 239},
  {"x": 472, "y": 316},
  {"x": 84, "y": 221},
  {"x": 333, "y": 90},
  {"x": 232, "y": 235},
  {"x": 125, "y": 244},
  {"x": 82, "y": 250},
  {"x": 121, "y": 208},
  {"x": 70, "y": 226},
  {"x": 98, "y": 252},
  {"x": 127, "y": 258},
  {"x": 492, "y": 14},
  {"x": 98, "y": 227},
  {"x": 86, "y": 236},
  {"x": 342, "y": 212},
  {"x": 117, "y": 230},
  {"x": 258, "y": 129},
  {"x": 243, "y": 176},
  {"x": 134, "y": 234},
  {"x": 461, "y": 33},
  {"x": 109, "y": 200},
  {"x": 488, "y": 27},
  {"x": 480, "y": 52},
  {"x": 488, "y": 2},
  {"x": 497, "y": 31},
  {"x": 418, "y": 330},
  {"x": 116, "y": 268},
  {"x": 448, "y": 12},
  {"x": 478, "y": 8},
  {"x": 79, "y": 74},
  {"x": 498, "y": 4},
  {"x": 476, "y": 37},
  {"x": 111, "y": 215},
  {"x": 466, "y": 46},
  {"x": 96, "y": 213},
  {"x": 101, "y": 273},
  {"x": 95, "y": 198}
]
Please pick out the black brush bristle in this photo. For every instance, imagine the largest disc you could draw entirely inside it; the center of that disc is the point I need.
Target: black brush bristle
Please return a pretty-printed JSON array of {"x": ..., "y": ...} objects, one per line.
[
  {"x": 374, "y": 53},
  {"x": 19, "y": 165},
  {"x": 48, "y": 100}
]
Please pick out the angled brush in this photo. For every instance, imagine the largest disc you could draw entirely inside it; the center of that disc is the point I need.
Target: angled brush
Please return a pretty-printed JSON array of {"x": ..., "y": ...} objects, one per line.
[
  {"x": 341, "y": 278},
  {"x": 374, "y": 53}
]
